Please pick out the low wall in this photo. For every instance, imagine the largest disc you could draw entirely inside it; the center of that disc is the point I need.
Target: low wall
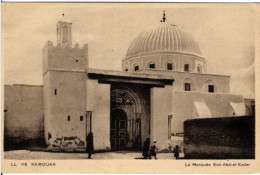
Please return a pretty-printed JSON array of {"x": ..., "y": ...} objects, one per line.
[
  {"x": 23, "y": 116},
  {"x": 220, "y": 138}
]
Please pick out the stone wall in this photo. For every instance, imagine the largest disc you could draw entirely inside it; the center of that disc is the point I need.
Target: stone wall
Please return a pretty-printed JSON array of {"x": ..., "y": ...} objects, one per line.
[
  {"x": 98, "y": 101},
  {"x": 220, "y": 138},
  {"x": 161, "y": 108},
  {"x": 65, "y": 109},
  {"x": 23, "y": 116}
]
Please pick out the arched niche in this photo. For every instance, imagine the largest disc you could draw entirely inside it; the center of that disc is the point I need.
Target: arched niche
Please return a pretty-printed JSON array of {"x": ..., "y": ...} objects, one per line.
[
  {"x": 65, "y": 34},
  {"x": 151, "y": 65},
  {"x": 136, "y": 67},
  {"x": 199, "y": 68},
  {"x": 190, "y": 82},
  {"x": 167, "y": 64},
  {"x": 208, "y": 83}
]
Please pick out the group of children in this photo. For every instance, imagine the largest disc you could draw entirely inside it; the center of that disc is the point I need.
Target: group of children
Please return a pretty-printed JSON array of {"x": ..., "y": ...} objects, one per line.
[{"x": 149, "y": 152}]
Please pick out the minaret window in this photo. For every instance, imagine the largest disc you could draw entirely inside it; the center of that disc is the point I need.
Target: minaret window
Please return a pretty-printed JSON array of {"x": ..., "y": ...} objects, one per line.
[
  {"x": 136, "y": 68},
  {"x": 65, "y": 34}
]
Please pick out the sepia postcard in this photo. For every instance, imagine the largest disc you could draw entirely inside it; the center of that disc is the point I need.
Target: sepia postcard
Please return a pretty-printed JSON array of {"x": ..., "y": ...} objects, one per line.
[{"x": 130, "y": 88}]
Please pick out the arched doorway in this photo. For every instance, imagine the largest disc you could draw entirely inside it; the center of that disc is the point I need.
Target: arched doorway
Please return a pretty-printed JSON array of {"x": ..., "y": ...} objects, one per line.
[
  {"x": 118, "y": 132},
  {"x": 125, "y": 100}
]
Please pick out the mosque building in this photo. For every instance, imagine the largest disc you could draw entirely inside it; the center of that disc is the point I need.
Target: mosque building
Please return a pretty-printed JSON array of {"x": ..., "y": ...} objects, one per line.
[{"x": 163, "y": 82}]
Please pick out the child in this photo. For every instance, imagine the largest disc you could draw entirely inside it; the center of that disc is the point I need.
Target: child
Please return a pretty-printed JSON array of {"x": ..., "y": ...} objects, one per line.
[{"x": 153, "y": 150}]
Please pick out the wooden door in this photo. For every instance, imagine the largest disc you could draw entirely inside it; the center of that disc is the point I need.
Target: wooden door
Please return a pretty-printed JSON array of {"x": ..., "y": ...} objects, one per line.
[{"x": 118, "y": 134}]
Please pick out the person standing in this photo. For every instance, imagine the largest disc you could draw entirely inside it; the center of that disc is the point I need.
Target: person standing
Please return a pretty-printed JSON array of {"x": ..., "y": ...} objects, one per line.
[
  {"x": 90, "y": 145},
  {"x": 176, "y": 151},
  {"x": 146, "y": 148}
]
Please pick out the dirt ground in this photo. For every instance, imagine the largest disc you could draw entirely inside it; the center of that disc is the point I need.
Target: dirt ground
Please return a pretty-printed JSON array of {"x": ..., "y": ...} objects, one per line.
[{"x": 27, "y": 155}]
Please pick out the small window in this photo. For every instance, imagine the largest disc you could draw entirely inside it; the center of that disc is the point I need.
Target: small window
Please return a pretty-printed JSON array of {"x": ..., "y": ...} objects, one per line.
[
  {"x": 55, "y": 91},
  {"x": 68, "y": 118},
  {"x": 136, "y": 68},
  {"x": 65, "y": 34},
  {"x": 126, "y": 69},
  {"x": 81, "y": 118},
  {"x": 186, "y": 67},
  {"x": 152, "y": 66},
  {"x": 211, "y": 88},
  {"x": 187, "y": 86},
  {"x": 169, "y": 66},
  {"x": 77, "y": 60}
]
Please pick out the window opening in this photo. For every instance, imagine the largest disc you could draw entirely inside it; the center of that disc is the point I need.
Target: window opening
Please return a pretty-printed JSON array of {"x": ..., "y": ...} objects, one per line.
[
  {"x": 187, "y": 87},
  {"x": 169, "y": 66},
  {"x": 211, "y": 88},
  {"x": 65, "y": 34},
  {"x": 186, "y": 67},
  {"x": 152, "y": 66}
]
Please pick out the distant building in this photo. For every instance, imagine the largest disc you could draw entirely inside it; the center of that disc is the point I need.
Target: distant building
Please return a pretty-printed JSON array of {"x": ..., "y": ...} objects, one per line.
[{"x": 163, "y": 82}]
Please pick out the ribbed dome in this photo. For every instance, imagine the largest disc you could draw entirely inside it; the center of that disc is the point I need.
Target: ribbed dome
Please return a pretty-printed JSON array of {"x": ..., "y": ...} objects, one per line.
[{"x": 163, "y": 37}]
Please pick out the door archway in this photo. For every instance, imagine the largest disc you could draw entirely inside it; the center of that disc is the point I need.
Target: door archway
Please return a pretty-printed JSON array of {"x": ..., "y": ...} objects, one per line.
[{"x": 118, "y": 132}]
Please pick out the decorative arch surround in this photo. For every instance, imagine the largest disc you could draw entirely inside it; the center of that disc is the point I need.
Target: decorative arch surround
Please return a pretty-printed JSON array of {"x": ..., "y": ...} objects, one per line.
[
  {"x": 149, "y": 63},
  {"x": 210, "y": 82},
  {"x": 128, "y": 97},
  {"x": 189, "y": 81},
  {"x": 170, "y": 62},
  {"x": 135, "y": 65},
  {"x": 124, "y": 99},
  {"x": 185, "y": 63}
]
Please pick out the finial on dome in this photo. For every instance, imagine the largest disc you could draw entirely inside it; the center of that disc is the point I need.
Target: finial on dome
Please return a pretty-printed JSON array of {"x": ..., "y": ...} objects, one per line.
[{"x": 164, "y": 18}]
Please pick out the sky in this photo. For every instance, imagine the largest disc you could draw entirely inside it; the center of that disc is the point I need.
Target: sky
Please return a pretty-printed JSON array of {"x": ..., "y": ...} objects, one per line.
[{"x": 225, "y": 34}]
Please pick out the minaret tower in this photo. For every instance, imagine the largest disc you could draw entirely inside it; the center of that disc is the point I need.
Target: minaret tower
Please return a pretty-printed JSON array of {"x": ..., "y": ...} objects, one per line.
[
  {"x": 64, "y": 86},
  {"x": 64, "y": 37}
]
